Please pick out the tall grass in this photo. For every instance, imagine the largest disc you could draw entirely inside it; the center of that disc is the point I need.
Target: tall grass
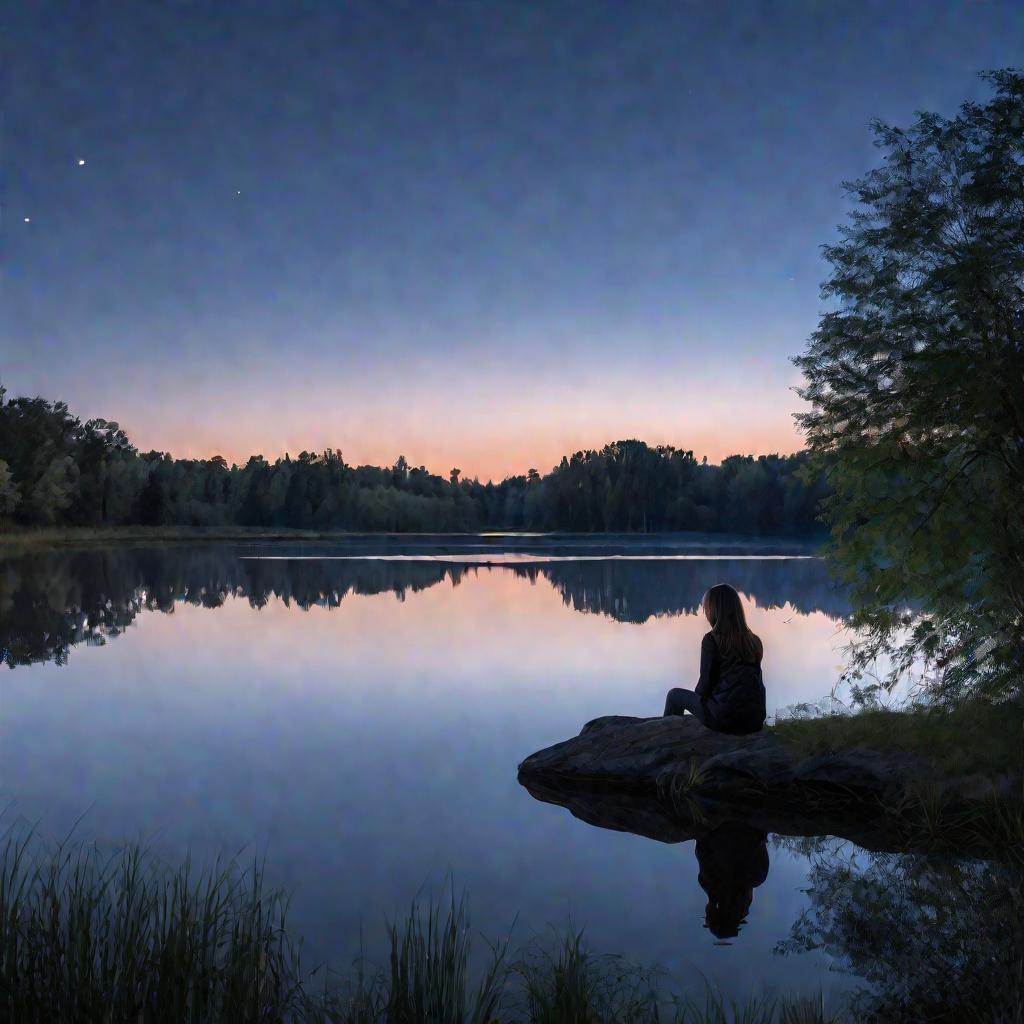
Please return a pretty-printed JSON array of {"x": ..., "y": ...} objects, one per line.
[
  {"x": 716, "y": 1010},
  {"x": 569, "y": 983},
  {"x": 88, "y": 937},
  {"x": 429, "y": 970},
  {"x": 96, "y": 938}
]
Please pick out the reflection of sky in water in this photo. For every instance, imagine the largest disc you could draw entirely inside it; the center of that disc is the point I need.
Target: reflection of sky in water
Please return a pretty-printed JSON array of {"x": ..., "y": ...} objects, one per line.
[{"x": 372, "y": 747}]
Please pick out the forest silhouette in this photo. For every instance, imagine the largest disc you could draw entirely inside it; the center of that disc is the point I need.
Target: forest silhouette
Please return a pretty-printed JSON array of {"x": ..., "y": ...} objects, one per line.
[{"x": 58, "y": 471}]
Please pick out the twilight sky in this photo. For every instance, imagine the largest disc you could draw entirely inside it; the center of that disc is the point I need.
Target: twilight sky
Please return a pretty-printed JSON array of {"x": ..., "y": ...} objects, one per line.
[{"x": 478, "y": 233}]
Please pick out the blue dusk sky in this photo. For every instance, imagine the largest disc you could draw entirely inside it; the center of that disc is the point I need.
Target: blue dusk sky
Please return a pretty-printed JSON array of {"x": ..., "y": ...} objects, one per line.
[{"x": 476, "y": 233}]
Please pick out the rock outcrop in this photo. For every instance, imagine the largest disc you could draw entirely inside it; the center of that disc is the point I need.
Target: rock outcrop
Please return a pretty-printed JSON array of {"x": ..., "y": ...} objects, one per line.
[{"x": 672, "y": 779}]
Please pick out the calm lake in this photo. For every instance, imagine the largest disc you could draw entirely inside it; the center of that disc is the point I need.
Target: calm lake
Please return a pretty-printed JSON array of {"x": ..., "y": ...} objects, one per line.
[{"x": 355, "y": 713}]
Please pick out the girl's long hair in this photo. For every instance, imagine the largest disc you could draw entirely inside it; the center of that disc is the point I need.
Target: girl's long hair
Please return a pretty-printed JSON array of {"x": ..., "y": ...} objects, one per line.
[{"x": 724, "y": 611}]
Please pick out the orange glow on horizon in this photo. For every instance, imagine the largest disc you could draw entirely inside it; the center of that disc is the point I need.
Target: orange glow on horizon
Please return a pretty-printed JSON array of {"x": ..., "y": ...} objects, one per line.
[
  {"x": 480, "y": 456},
  {"x": 489, "y": 422}
]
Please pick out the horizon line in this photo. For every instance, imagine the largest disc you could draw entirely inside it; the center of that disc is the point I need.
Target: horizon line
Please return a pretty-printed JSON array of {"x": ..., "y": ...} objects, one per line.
[{"x": 338, "y": 452}]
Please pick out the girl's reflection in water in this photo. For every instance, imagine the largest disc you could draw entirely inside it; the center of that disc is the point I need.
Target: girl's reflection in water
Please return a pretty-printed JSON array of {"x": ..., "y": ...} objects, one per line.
[{"x": 732, "y": 862}]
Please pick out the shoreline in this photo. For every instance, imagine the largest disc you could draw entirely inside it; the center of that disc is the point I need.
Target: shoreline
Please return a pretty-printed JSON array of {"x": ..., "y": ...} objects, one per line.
[
  {"x": 910, "y": 780},
  {"x": 63, "y": 536}
]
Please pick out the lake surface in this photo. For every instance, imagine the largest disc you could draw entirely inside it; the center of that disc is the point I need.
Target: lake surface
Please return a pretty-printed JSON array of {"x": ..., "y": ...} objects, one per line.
[{"x": 356, "y": 714}]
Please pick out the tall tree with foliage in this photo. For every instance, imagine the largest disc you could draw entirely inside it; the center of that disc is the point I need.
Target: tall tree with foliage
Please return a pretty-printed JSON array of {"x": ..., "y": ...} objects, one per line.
[{"x": 916, "y": 384}]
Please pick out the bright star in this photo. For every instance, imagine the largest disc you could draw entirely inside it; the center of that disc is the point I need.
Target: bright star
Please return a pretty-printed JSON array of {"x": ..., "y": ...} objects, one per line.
[
  {"x": 27, "y": 219},
  {"x": 81, "y": 163}
]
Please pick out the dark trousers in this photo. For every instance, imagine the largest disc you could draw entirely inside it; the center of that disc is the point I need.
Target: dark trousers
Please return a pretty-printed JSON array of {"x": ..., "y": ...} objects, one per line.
[{"x": 680, "y": 700}]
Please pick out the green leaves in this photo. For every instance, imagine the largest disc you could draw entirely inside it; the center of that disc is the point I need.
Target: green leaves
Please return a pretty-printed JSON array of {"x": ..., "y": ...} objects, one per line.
[{"x": 916, "y": 384}]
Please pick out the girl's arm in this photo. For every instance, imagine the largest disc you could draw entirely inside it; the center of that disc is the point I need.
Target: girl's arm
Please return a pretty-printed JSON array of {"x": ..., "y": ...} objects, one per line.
[{"x": 708, "y": 667}]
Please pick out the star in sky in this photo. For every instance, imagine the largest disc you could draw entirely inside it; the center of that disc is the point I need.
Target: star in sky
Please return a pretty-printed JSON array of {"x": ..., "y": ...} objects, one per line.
[{"x": 81, "y": 163}]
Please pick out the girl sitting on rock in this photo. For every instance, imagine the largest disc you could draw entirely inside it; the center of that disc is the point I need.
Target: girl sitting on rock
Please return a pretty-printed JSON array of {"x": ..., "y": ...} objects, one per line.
[{"x": 729, "y": 696}]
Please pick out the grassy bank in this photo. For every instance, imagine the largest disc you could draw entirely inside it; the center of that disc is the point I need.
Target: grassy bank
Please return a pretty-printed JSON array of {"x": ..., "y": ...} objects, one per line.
[
  {"x": 975, "y": 737},
  {"x": 967, "y": 793}
]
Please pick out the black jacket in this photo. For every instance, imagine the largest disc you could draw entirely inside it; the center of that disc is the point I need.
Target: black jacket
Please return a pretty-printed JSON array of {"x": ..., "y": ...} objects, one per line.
[{"x": 732, "y": 690}]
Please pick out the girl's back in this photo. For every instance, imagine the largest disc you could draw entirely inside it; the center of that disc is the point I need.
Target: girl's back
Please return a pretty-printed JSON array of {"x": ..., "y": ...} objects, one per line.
[{"x": 736, "y": 701}]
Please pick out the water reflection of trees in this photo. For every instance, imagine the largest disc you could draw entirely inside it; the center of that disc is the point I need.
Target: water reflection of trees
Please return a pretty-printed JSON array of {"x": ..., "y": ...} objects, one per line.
[
  {"x": 52, "y": 600},
  {"x": 935, "y": 940},
  {"x": 637, "y": 591}
]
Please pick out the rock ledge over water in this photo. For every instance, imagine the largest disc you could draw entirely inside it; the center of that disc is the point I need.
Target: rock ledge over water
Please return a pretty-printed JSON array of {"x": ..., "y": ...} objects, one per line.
[{"x": 671, "y": 779}]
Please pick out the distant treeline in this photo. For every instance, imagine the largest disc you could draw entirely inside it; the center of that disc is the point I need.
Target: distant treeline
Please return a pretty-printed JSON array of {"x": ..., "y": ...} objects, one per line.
[{"x": 56, "y": 470}]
